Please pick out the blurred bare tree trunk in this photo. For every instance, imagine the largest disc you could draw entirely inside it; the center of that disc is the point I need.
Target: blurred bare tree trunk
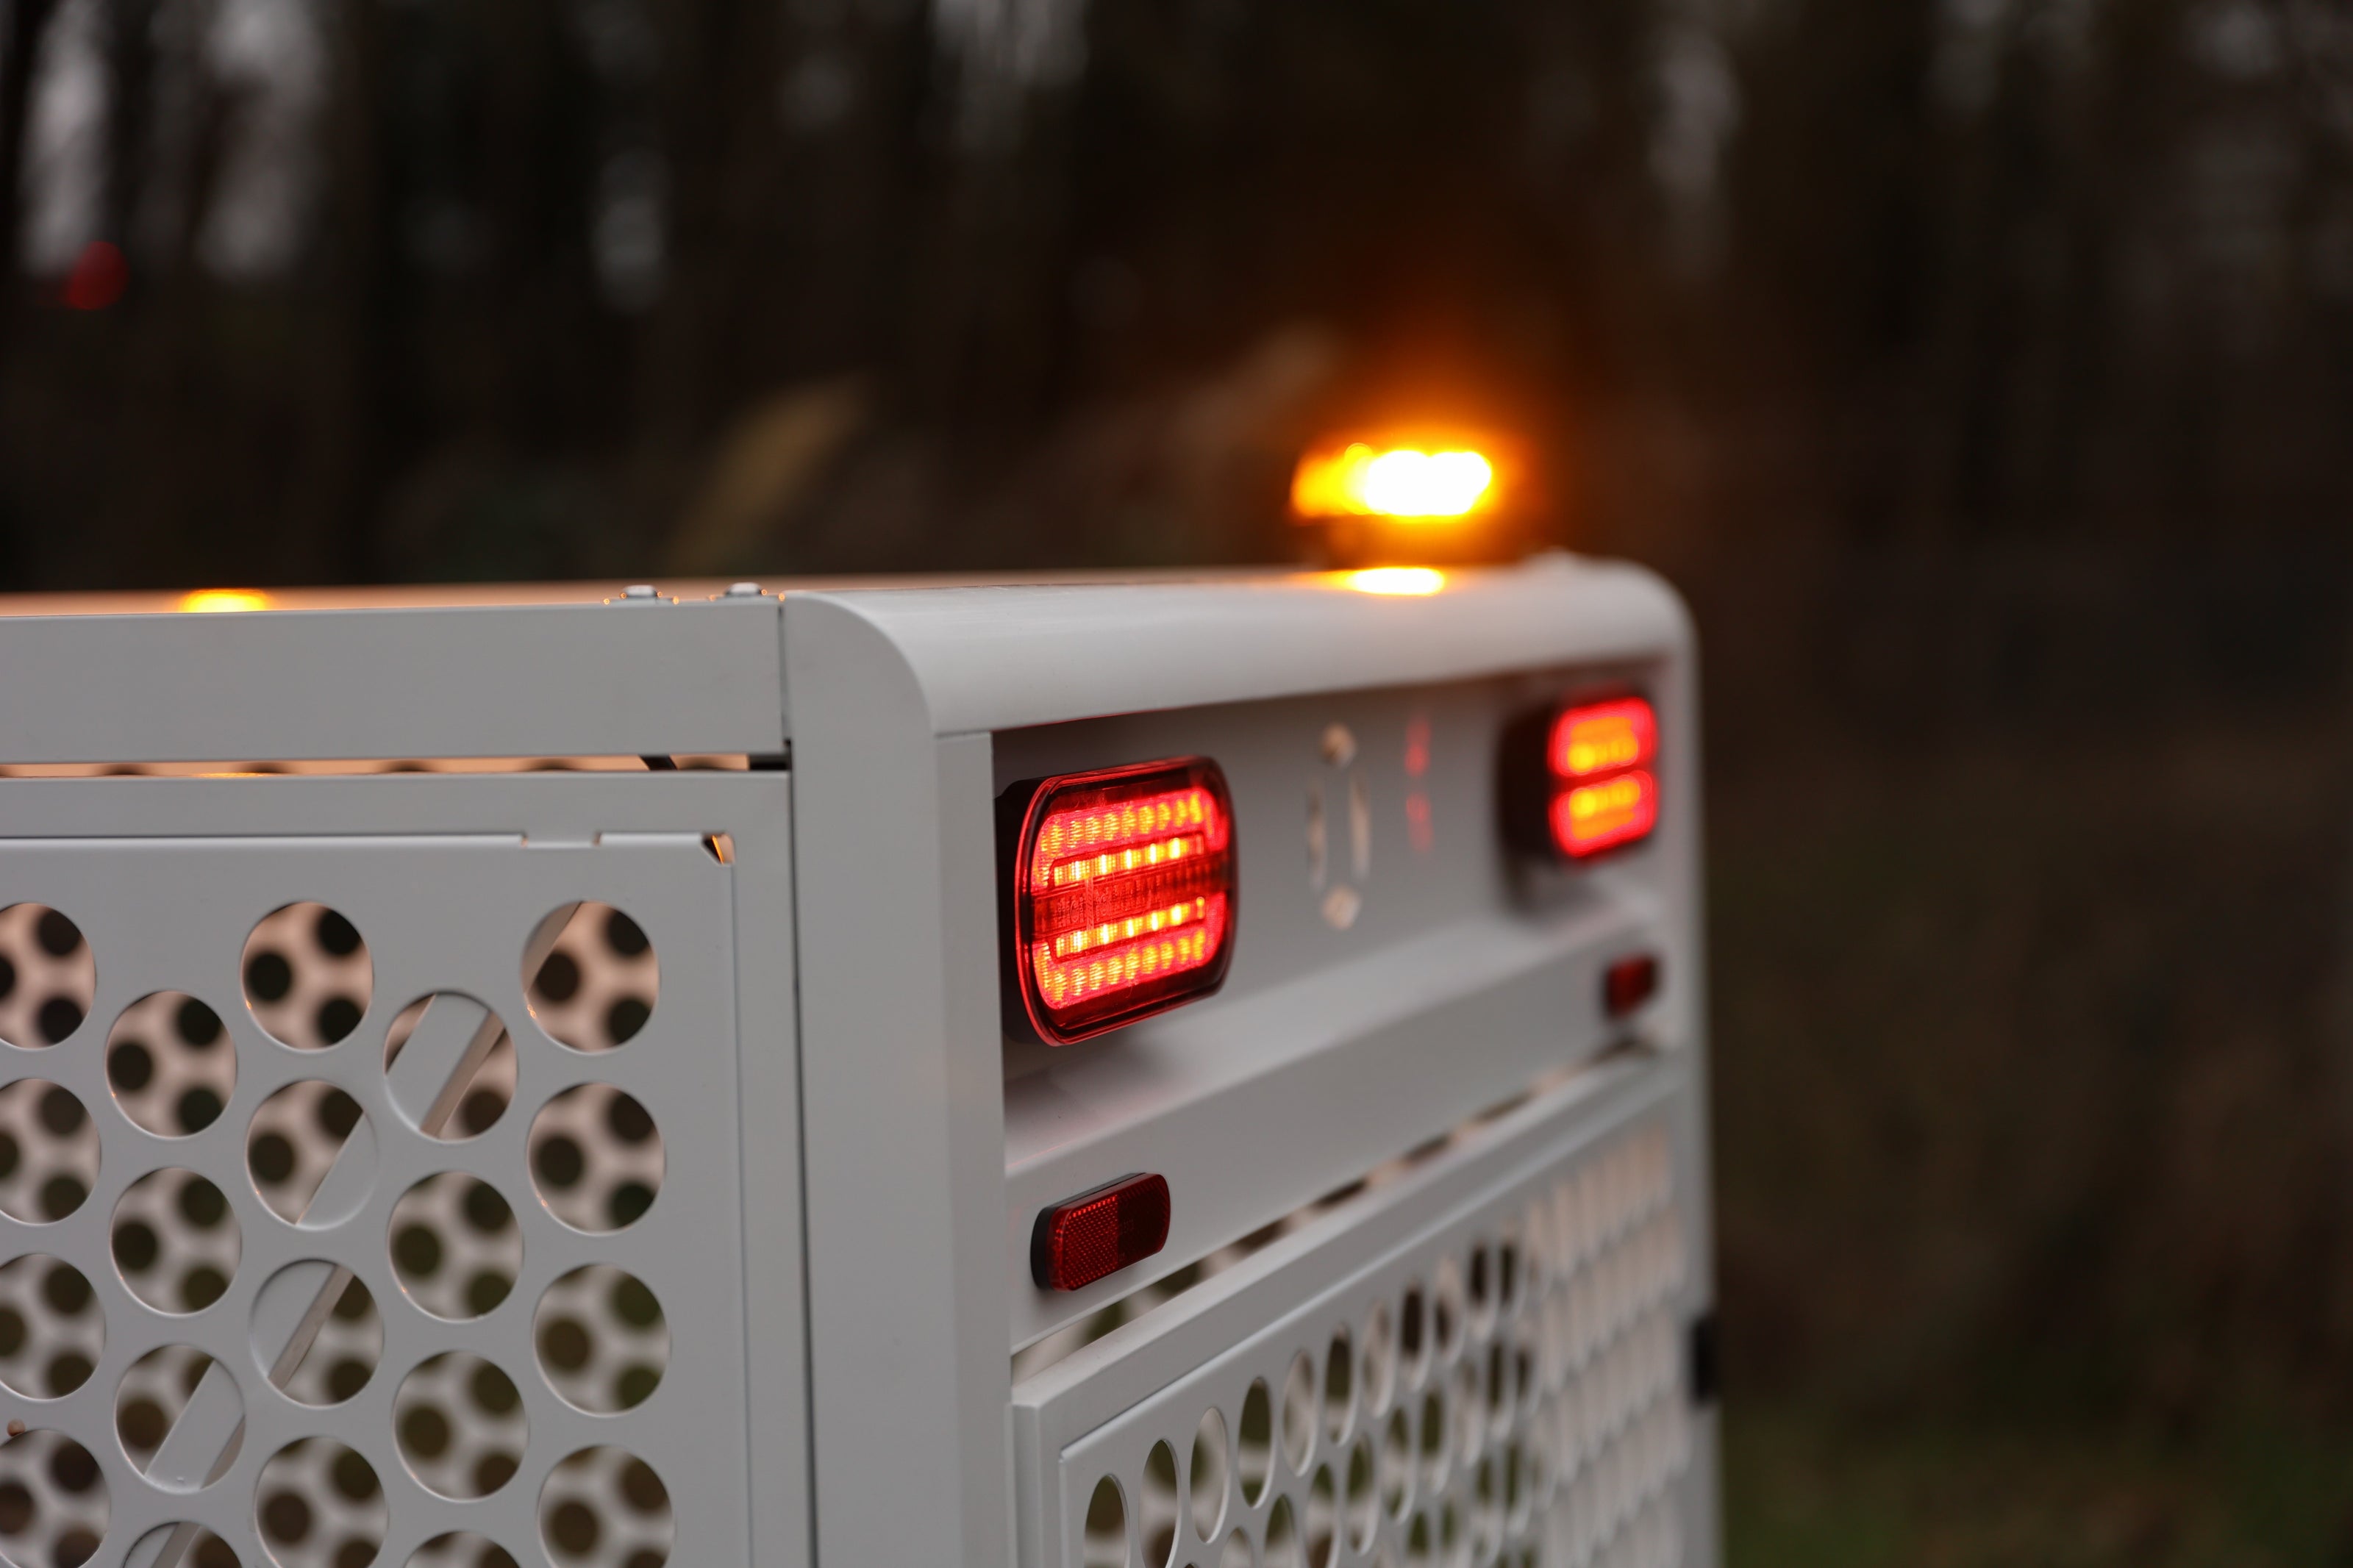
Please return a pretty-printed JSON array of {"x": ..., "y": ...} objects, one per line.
[
  {"x": 28, "y": 22},
  {"x": 351, "y": 364},
  {"x": 130, "y": 118}
]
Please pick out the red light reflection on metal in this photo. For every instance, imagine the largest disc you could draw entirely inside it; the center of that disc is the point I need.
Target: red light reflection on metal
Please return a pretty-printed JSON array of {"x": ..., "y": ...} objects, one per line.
[{"x": 99, "y": 277}]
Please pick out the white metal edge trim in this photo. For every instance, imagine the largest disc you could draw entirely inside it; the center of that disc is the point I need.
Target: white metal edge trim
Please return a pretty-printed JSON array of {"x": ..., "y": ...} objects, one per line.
[
  {"x": 902, "y": 1080},
  {"x": 1000, "y": 659},
  {"x": 776, "y": 1324},
  {"x": 513, "y": 680}
]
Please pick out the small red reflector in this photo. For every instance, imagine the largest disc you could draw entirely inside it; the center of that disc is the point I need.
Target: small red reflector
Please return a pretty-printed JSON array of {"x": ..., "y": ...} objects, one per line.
[
  {"x": 1123, "y": 895},
  {"x": 1099, "y": 1233},
  {"x": 1628, "y": 984},
  {"x": 1603, "y": 736}
]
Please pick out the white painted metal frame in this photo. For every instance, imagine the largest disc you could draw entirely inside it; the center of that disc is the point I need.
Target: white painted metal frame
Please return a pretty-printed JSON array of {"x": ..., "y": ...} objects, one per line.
[
  {"x": 895, "y": 697},
  {"x": 866, "y": 970}
]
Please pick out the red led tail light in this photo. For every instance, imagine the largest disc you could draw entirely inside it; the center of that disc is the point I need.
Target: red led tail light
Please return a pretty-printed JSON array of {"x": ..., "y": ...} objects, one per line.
[
  {"x": 1123, "y": 895},
  {"x": 1600, "y": 738},
  {"x": 1581, "y": 779},
  {"x": 1080, "y": 1241},
  {"x": 1587, "y": 818}
]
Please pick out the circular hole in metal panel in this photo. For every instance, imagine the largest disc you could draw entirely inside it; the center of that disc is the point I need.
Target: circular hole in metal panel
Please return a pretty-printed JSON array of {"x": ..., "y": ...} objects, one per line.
[
  {"x": 592, "y": 977},
  {"x": 603, "y": 1340},
  {"x": 49, "y": 976},
  {"x": 171, "y": 1064},
  {"x": 317, "y": 1504},
  {"x": 307, "y": 976},
  {"x": 596, "y": 1158},
  {"x": 54, "y": 1505},
  {"x": 177, "y": 1241},
  {"x": 52, "y": 1328},
  {"x": 605, "y": 1507},
  {"x": 457, "y": 1248},
  {"x": 156, "y": 1392},
  {"x": 296, "y": 1138},
  {"x": 49, "y": 1152}
]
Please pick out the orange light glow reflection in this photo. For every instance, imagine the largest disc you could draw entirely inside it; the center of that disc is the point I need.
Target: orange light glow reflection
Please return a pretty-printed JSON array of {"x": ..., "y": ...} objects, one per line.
[
  {"x": 215, "y": 601},
  {"x": 1415, "y": 580}
]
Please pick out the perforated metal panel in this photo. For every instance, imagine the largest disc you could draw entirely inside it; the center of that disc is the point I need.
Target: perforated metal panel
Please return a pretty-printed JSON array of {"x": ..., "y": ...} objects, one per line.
[
  {"x": 370, "y": 1200},
  {"x": 1480, "y": 1364}
]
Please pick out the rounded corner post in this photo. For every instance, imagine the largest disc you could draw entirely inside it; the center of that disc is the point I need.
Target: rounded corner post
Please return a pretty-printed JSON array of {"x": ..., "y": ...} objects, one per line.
[{"x": 903, "y": 1105}]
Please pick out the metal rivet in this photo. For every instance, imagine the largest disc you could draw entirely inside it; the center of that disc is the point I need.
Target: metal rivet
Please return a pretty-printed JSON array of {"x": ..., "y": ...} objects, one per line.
[
  {"x": 639, "y": 591},
  {"x": 742, "y": 590}
]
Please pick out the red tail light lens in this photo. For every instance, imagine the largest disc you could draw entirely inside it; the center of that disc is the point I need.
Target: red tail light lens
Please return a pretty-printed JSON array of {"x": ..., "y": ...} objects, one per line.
[
  {"x": 1592, "y": 788},
  {"x": 1123, "y": 895},
  {"x": 1603, "y": 736},
  {"x": 1587, "y": 818},
  {"x": 1078, "y": 1242}
]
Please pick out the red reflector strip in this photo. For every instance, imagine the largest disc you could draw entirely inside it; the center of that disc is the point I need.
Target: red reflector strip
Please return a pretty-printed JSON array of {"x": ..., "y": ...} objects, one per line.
[
  {"x": 1096, "y": 1234},
  {"x": 1628, "y": 984},
  {"x": 1592, "y": 817},
  {"x": 1124, "y": 895},
  {"x": 1602, "y": 737}
]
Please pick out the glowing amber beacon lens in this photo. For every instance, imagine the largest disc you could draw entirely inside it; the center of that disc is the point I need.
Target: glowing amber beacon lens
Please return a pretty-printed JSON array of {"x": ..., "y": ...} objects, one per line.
[
  {"x": 1363, "y": 480},
  {"x": 1603, "y": 738},
  {"x": 1123, "y": 903}
]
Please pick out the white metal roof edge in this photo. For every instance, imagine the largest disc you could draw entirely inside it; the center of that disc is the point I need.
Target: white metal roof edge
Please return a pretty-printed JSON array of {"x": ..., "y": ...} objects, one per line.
[
  {"x": 502, "y": 680},
  {"x": 544, "y": 673},
  {"x": 1007, "y": 657}
]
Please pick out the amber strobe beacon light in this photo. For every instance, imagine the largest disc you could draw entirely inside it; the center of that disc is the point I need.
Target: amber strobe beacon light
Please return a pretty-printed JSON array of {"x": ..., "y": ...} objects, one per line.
[{"x": 1412, "y": 498}]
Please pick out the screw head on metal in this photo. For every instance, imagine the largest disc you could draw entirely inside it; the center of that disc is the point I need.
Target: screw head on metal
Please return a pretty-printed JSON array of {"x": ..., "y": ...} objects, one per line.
[
  {"x": 742, "y": 590},
  {"x": 639, "y": 591}
]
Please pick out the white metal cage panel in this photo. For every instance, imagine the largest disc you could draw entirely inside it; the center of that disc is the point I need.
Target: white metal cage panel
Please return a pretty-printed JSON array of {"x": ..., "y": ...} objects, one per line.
[
  {"x": 1482, "y": 1362},
  {"x": 382, "y": 1206}
]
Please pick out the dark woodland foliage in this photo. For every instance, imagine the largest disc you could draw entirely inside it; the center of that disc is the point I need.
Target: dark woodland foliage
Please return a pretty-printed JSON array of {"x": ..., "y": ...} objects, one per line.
[{"x": 1983, "y": 369}]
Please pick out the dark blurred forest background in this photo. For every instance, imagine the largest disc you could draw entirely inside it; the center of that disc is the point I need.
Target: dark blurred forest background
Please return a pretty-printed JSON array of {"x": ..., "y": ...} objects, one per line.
[{"x": 1982, "y": 369}]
